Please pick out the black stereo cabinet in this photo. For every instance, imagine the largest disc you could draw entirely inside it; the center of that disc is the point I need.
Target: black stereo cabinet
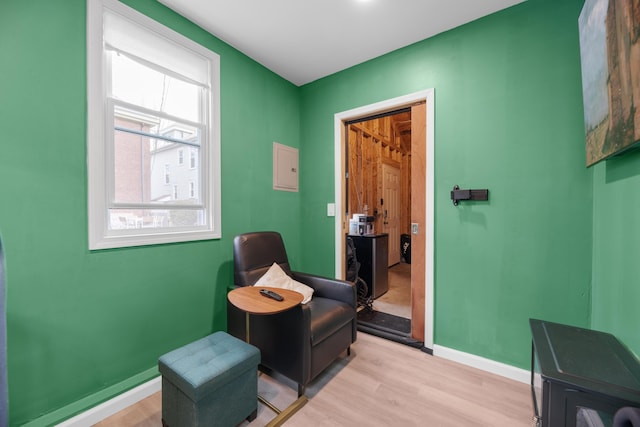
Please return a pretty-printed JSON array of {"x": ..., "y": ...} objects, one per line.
[{"x": 578, "y": 375}]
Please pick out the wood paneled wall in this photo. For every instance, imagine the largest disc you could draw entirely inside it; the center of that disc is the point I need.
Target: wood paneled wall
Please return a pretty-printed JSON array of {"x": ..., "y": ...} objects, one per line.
[{"x": 372, "y": 143}]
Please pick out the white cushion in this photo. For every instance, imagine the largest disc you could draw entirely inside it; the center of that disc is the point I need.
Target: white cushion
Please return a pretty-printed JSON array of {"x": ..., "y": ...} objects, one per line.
[{"x": 275, "y": 277}]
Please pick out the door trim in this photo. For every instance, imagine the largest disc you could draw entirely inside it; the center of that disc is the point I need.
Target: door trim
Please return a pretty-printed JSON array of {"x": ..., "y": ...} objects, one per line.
[{"x": 426, "y": 96}]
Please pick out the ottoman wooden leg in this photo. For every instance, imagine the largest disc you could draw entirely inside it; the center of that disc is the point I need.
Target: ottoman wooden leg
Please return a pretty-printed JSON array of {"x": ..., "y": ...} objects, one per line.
[{"x": 253, "y": 415}]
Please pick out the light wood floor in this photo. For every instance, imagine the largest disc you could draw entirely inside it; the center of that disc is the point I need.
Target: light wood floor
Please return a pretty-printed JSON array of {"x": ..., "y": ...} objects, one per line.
[
  {"x": 382, "y": 383},
  {"x": 397, "y": 300}
]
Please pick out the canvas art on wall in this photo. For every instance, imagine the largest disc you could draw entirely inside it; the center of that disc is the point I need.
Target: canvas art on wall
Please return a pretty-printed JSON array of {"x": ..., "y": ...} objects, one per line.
[{"x": 610, "y": 55}]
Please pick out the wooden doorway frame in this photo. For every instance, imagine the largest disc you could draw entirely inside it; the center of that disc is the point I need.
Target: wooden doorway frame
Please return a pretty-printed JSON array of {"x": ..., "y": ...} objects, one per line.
[{"x": 341, "y": 222}]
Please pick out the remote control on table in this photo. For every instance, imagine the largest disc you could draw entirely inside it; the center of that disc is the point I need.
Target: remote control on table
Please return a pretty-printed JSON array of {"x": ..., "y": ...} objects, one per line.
[{"x": 270, "y": 294}]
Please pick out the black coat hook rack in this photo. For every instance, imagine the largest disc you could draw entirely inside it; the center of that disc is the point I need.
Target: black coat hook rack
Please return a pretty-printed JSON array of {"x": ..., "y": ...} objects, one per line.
[{"x": 457, "y": 194}]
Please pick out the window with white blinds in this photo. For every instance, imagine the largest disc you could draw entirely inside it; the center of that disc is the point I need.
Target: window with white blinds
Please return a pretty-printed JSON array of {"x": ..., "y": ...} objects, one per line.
[{"x": 153, "y": 95}]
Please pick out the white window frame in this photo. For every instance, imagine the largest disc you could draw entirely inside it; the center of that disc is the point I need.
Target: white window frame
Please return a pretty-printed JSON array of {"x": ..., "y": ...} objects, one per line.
[{"x": 100, "y": 136}]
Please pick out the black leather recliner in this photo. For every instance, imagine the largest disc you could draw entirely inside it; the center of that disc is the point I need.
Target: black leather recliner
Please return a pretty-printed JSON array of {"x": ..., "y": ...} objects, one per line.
[{"x": 301, "y": 342}]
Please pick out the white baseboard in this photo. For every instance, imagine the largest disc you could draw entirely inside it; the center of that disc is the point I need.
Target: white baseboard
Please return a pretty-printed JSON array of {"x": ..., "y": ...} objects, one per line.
[
  {"x": 115, "y": 405},
  {"x": 488, "y": 365}
]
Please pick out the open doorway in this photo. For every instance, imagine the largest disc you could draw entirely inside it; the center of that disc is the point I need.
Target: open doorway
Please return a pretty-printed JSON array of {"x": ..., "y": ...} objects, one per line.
[
  {"x": 382, "y": 177},
  {"x": 378, "y": 191}
]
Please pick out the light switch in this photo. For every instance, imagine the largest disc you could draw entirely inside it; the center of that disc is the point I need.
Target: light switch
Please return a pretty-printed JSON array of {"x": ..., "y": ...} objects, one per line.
[{"x": 331, "y": 209}]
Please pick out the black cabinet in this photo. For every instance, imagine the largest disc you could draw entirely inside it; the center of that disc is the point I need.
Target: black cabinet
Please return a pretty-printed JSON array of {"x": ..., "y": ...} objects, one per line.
[
  {"x": 579, "y": 374},
  {"x": 373, "y": 255}
]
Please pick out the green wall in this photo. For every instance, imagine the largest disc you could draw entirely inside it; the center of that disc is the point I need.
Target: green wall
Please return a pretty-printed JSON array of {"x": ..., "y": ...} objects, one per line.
[
  {"x": 508, "y": 117},
  {"x": 83, "y": 326},
  {"x": 555, "y": 241},
  {"x": 616, "y": 230}
]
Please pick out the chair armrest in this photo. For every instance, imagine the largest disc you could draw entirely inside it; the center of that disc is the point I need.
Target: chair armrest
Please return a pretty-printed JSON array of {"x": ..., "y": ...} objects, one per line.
[
  {"x": 627, "y": 416},
  {"x": 329, "y": 288}
]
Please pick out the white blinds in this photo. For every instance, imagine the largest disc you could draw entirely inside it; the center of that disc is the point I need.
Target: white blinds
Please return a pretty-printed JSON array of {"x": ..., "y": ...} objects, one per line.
[{"x": 143, "y": 43}]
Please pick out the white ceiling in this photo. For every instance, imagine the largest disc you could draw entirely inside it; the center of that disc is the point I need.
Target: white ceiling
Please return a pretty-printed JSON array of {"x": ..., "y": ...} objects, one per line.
[{"x": 304, "y": 40}]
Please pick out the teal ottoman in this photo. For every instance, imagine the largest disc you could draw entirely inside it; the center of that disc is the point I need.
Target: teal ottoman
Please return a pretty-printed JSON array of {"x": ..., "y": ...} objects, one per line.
[{"x": 210, "y": 382}]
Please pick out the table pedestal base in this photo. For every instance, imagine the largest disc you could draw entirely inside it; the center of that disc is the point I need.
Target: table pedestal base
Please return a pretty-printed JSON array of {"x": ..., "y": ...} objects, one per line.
[{"x": 285, "y": 414}]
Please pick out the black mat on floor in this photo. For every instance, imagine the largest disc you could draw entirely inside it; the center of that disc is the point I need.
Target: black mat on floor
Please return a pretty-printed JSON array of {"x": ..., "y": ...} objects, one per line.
[
  {"x": 387, "y": 326},
  {"x": 378, "y": 319}
]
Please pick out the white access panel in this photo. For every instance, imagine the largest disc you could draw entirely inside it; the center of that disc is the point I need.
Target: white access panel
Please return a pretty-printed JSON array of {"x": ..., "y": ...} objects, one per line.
[{"x": 285, "y": 167}]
